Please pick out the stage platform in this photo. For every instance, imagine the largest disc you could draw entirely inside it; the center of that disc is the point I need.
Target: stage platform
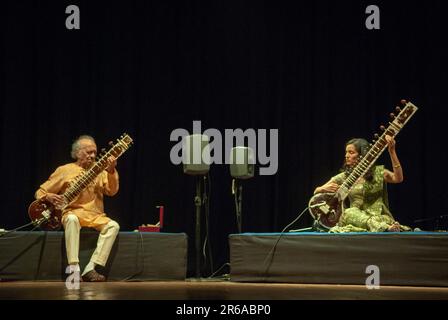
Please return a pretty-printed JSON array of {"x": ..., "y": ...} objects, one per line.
[
  {"x": 214, "y": 290},
  {"x": 403, "y": 259},
  {"x": 39, "y": 255}
]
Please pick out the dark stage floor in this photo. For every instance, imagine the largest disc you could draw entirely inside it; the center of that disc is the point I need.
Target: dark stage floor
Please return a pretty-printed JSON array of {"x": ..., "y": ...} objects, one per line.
[{"x": 211, "y": 290}]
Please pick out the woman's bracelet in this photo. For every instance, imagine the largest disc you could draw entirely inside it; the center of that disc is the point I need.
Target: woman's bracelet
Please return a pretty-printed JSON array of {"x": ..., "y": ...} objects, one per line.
[{"x": 397, "y": 166}]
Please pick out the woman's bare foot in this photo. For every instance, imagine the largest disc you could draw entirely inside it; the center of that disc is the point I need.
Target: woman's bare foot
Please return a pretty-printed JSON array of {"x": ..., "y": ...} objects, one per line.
[{"x": 395, "y": 227}]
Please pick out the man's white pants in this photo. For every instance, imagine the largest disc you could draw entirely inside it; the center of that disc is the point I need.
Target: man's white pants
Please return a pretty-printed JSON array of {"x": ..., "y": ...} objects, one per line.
[{"x": 106, "y": 239}]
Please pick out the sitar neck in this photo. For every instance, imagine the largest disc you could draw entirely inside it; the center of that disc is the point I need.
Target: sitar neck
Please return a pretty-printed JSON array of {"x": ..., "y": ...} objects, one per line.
[
  {"x": 85, "y": 179},
  {"x": 88, "y": 176},
  {"x": 376, "y": 149}
]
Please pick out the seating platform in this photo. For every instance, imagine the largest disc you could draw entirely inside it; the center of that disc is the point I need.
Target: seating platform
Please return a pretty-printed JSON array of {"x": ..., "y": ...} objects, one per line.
[
  {"x": 41, "y": 255},
  {"x": 403, "y": 259}
]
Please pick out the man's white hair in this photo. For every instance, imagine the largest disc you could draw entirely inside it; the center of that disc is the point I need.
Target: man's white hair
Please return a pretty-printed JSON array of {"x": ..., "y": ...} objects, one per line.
[{"x": 76, "y": 145}]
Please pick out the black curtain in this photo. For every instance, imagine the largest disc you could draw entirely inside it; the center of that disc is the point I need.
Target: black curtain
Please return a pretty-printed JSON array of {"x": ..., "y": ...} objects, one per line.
[{"x": 311, "y": 69}]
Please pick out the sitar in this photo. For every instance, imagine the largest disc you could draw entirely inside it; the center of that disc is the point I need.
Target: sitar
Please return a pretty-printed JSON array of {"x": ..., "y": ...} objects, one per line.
[
  {"x": 326, "y": 208},
  {"x": 48, "y": 217}
]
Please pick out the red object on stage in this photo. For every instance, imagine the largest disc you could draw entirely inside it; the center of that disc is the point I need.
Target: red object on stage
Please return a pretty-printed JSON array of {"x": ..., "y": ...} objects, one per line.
[
  {"x": 149, "y": 228},
  {"x": 152, "y": 227},
  {"x": 161, "y": 215}
]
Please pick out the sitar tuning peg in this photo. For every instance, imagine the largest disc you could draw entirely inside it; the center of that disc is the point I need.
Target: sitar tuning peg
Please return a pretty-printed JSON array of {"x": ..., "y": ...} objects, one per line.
[
  {"x": 397, "y": 108},
  {"x": 111, "y": 143},
  {"x": 376, "y": 135},
  {"x": 392, "y": 115},
  {"x": 403, "y": 102},
  {"x": 382, "y": 128}
]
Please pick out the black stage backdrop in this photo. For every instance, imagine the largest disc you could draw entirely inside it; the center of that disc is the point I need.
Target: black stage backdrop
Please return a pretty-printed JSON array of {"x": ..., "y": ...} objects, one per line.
[{"x": 310, "y": 69}]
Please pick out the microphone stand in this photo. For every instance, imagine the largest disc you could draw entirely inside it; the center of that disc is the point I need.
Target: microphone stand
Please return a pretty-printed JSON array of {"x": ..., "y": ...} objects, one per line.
[
  {"x": 436, "y": 222},
  {"x": 198, "y": 205},
  {"x": 237, "y": 190},
  {"x": 431, "y": 218},
  {"x": 315, "y": 226},
  {"x": 36, "y": 223}
]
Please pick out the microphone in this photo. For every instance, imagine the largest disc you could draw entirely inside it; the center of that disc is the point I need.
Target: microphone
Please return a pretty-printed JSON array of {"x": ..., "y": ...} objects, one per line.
[
  {"x": 46, "y": 214},
  {"x": 320, "y": 204}
]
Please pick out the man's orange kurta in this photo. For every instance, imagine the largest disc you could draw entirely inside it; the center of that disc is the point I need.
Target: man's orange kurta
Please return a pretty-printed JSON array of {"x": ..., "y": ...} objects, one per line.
[{"x": 88, "y": 206}]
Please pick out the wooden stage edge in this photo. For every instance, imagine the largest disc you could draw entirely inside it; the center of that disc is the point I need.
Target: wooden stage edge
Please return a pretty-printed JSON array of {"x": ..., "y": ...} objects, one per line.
[{"x": 205, "y": 289}]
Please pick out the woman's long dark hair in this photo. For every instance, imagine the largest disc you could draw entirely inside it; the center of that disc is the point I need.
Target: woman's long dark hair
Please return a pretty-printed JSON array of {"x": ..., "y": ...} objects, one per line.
[{"x": 362, "y": 147}]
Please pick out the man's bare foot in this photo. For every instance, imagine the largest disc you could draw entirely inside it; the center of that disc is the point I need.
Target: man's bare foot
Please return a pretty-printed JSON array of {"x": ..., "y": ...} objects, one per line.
[{"x": 395, "y": 227}]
